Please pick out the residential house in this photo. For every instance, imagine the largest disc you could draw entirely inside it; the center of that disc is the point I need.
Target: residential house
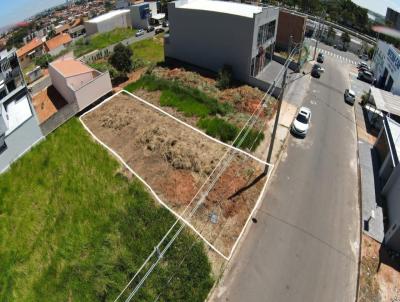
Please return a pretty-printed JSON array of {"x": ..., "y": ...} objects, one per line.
[
  {"x": 19, "y": 128},
  {"x": 27, "y": 53},
  {"x": 57, "y": 44},
  {"x": 79, "y": 83},
  {"x": 211, "y": 34}
]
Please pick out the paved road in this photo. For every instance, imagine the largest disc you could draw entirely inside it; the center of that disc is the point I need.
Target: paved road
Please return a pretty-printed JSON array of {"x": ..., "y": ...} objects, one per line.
[
  {"x": 330, "y": 51},
  {"x": 304, "y": 246}
]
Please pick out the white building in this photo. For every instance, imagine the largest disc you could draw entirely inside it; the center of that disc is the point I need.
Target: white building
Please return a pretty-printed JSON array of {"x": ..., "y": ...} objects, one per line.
[
  {"x": 386, "y": 66},
  {"x": 109, "y": 21}
]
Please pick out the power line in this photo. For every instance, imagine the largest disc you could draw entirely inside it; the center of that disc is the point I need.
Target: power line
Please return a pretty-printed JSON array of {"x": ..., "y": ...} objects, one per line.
[{"x": 230, "y": 153}]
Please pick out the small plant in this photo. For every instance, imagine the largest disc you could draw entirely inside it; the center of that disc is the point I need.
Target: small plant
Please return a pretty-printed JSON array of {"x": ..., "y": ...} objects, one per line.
[{"x": 224, "y": 79}]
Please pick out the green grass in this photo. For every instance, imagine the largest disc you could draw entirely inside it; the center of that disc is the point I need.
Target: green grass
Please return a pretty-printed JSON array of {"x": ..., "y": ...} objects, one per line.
[
  {"x": 227, "y": 132},
  {"x": 190, "y": 101},
  {"x": 102, "y": 40},
  {"x": 74, "y": 229},
  {"x": 149, "y": 50}
]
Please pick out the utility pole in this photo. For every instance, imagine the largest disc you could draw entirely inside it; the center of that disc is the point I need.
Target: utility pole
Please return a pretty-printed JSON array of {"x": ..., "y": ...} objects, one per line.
[
  {"x": 318, "y": 35},
  {"x": 278, "y": 111}
]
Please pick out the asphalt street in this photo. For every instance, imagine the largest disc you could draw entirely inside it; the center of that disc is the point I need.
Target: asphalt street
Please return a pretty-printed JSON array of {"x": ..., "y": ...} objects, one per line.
[{"x": 304, "y": 245}]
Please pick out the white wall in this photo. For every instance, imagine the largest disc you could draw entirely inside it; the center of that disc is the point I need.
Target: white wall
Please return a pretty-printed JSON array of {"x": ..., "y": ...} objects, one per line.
[
  {"x": 387, "y": 58},
  {"x": 60, "y": 83}
]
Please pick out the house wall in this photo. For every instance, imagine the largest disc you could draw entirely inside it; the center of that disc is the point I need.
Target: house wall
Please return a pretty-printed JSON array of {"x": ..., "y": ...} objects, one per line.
[
  {"x": 20, "y": 140},
  {"x": 60, "y": 83},
  {"x": 392, "y": 195},
  {"x": 91, "y": 28},
  {"x": 211, "y": 39},
  {"x": 290, "y": 24},
  {"x": 94, "y": 90}
]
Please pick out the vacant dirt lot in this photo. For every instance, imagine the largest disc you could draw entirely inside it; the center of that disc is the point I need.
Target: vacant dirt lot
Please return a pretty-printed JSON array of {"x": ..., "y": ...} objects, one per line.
[
  {"x": 380, "y": 273},
  {"x": 175, "y": 161}
]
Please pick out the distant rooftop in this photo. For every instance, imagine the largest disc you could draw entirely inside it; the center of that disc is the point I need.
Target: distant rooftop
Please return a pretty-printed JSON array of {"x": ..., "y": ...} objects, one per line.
[
  {"x": 30, "y": 46},
  {"x": 232, "y": 8},
  {"x": 109, "y": 15}
]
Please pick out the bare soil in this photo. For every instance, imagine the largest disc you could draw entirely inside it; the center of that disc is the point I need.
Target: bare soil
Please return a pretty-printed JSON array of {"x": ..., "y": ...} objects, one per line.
[
  {"x": 379, "y": 279},
  {"x": 175, "y": 161}
]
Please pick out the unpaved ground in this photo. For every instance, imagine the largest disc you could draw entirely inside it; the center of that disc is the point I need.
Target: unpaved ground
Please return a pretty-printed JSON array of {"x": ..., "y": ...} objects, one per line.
[
  {"x": 175, "y": 161},
  {"x": 377, "y": 285}
]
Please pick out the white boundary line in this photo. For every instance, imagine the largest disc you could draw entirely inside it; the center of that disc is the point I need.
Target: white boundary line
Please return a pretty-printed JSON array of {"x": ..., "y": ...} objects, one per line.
[
  {"x": 181, "y": 122},
  {"x": 163, "y": 203}
]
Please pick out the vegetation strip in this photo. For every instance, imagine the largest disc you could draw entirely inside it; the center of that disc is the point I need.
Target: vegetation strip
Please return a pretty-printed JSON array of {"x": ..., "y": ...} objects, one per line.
[{"x": 85, "y": 228}]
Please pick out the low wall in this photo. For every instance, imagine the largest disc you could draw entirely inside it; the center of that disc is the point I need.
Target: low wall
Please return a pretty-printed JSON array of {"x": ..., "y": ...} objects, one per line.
[
  {"x": 264, "y": 86},
  {"x": 292, "y": 65}
]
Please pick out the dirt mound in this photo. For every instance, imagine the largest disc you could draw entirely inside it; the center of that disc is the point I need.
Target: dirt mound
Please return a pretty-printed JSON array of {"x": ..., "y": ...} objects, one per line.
[{"x": 243, "y": 98}]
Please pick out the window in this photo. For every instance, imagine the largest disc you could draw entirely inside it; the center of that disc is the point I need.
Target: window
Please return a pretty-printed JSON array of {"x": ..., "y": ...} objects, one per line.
[{"x": 265, "y": 32}]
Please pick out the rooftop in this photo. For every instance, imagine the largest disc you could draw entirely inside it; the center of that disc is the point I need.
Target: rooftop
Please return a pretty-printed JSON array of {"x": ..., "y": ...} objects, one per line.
[
  {"x": 109, "y": 15},
  {"x": 232, "y": 8},
  {"x": 58, "y": 40},
  {"x": 386, "y": 101},
  {"x": 35, "y": 43},
  {"x": 71, "y": 67}
]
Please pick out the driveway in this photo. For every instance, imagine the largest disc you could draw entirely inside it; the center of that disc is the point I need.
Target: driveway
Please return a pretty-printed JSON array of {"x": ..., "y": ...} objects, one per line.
[{"x": 304, "y": 246}]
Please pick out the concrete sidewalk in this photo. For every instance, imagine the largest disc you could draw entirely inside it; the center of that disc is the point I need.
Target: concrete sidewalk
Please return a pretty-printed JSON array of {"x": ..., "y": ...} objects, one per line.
[{"x": 372, "y": 214}]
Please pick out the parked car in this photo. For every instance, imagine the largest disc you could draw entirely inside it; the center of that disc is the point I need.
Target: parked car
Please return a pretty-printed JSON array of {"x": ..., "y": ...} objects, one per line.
[
  {"x": 366, "y": 76},
  {"x": 317, "y": 70},
  {"x": 139, "y": 33},
  {"x": 320, "y": 58},
  {"x": 159, "y": 30},
  {"x": 349, "y": 96},
  {"x": 301, "y": 123},
  {"x": 165, "y": 24},
  {"x": 150, "y": 29},
  {"x": 364, "y": 68},
  {"x": 362, "y": 64}
]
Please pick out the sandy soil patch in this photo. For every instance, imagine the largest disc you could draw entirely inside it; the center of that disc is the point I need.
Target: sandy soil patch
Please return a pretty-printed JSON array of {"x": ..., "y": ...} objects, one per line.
[{"x": 175, "y": 161}]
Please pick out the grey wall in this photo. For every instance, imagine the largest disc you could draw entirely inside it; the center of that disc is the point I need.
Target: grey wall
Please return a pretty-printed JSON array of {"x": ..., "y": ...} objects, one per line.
[
  {"x": 20, "y": 141},
  {"x": 210, "y": 40},
  {"x": 392, "y": 195},
  {"x": 137, "y": 21}
]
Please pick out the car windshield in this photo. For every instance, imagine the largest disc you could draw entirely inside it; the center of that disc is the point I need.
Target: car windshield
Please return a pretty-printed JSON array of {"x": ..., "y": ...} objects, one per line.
[{"x": 302, "y": 119}]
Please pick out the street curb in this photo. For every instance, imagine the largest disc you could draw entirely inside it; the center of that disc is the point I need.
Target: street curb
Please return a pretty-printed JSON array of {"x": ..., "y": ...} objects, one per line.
[{"x": 360, "y": 208}]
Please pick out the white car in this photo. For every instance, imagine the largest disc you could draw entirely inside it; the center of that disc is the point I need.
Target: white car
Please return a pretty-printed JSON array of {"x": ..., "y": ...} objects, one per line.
[
  {"x": 349, "y": 96},
  {"x": 139, "y": 33},
  {"x": 301, "y": 123}
]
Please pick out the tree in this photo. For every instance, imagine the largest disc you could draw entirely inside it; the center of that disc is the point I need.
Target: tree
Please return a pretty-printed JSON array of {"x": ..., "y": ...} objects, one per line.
[
  {"x": 51, "y": 34},
  {"x": 331, "y": 34},
  {"x": 43, "y": 61},
  {"x": 345, "y": 37},
  {"x": 121, "y": 59}
]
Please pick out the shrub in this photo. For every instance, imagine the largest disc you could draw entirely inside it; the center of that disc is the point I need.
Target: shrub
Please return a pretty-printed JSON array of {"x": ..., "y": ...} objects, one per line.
[
  {"x": 121, "y": 58},
  {"x": 227, "y": 132},
  {"x": 224, "y": 79},
  {"x": 43, "y": 61}
]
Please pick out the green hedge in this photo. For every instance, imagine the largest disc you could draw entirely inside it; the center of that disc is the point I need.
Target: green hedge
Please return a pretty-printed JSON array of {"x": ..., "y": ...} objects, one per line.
[{"x": 190, "y": 101}]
